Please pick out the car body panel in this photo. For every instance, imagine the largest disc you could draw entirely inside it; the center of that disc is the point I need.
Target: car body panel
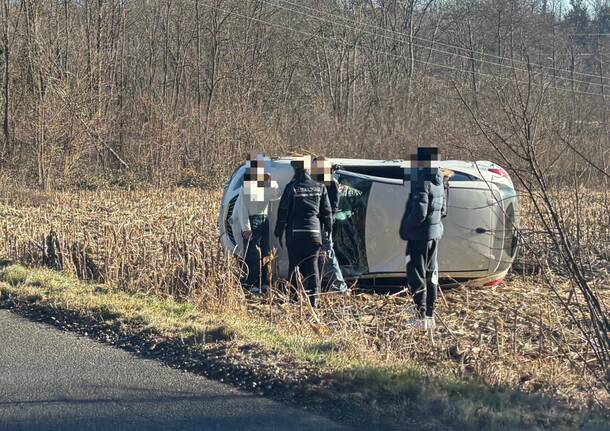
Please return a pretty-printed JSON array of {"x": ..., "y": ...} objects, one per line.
[
  {"x": 477, "y": 243},
  {"x": 469, "y": 229},
  {"x": 385, "y": 249}
]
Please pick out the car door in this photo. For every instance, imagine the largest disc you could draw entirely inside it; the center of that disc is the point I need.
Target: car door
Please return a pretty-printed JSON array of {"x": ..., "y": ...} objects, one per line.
[
  {"x": 385, "y": 249},
  {"x": 467, "y": 242},
  {"x": 366, "y": 229}
]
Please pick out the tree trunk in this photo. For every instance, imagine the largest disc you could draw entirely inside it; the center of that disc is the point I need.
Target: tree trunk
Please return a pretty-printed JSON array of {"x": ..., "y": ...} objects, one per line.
[{"x": 6, "y": 145}]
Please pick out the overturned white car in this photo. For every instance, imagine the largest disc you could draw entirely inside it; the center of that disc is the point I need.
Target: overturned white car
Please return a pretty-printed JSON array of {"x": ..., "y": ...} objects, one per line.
[{"x": 480, "y": 239}]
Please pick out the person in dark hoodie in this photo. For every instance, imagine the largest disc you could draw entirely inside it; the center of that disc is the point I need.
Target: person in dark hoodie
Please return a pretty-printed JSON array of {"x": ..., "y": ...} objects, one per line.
[
  {"x": 421, "y": 226},
  {"x": 322, "y": 172},
  {"x": 303, "y": 215}
]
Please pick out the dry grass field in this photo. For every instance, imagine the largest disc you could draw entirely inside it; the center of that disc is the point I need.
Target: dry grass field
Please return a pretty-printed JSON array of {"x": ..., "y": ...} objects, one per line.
[{"x": 516, "y": 336}]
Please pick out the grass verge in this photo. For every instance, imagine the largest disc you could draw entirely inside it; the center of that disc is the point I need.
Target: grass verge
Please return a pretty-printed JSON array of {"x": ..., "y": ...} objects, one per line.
[{"x": 272, "y": 361}]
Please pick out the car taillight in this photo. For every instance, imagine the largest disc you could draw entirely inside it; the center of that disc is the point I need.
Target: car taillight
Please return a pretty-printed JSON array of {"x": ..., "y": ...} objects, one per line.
[
  {"x": 494, "y": 283},
  {"x": 498, "y": 171}
]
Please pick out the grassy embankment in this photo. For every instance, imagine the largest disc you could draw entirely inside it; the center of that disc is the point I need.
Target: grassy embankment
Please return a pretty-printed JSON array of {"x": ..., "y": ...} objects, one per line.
[{"x": 153, "y": 320}]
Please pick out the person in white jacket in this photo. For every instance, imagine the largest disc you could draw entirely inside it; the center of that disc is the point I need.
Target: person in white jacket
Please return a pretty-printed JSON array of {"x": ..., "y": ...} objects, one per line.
[{"x": 252, "y": 211}]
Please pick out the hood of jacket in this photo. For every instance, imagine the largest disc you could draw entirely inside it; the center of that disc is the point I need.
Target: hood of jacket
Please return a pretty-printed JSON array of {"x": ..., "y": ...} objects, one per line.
[
  {"x": 434, "y": 175},
  {"x": 437, "y": 176}
]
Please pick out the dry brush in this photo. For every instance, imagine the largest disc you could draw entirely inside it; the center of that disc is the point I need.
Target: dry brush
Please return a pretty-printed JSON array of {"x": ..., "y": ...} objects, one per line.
[{"x": 166, "y": 241}]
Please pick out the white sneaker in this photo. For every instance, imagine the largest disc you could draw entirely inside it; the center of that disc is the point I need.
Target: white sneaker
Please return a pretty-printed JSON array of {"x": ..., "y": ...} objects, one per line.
[
  {"x": 429, "y": 323},
  {"x": 429, "y": 326},
  {"x": 416, "y": 323}
]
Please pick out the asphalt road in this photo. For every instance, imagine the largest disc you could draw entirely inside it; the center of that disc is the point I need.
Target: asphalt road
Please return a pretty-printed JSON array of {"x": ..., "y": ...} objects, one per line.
[{"x": 54, "y": 380}]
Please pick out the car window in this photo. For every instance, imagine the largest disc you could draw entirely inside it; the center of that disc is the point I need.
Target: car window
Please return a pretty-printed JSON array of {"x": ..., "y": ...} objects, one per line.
[{"x": 461, "y": 176}]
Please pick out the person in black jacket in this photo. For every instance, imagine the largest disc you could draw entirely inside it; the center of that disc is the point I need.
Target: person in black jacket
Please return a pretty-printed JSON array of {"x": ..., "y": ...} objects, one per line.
[
  {"x": 322, "y": 172},
  {"x": 422, "y": 228},
  {"x": 303, "y": 214}
]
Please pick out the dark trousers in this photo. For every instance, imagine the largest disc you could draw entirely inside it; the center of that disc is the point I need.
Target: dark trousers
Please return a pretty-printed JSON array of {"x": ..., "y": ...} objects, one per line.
[
  {"x": 303, "y": 253},
  {"x": 257, "y": 248},
  {"x": 422, "y": 274}
]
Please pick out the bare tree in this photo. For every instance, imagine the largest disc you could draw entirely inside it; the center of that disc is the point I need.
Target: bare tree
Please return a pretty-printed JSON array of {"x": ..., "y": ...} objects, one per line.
[{"x": 519, "y": 123}]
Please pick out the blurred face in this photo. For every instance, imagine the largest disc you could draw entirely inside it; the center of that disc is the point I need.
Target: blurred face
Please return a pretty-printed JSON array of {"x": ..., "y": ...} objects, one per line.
[
  {"x": 302, "y": 164},
  {"x": 257, "y": 170},
  {"x": 322, "y": 171},
  {"x": 422, "y": 164},
  {"x": 256, "y": 179}
]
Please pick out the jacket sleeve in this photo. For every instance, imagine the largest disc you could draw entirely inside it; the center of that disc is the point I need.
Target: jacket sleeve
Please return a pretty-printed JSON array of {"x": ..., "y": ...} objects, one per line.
[
  {"x": 326, "y": 212},
  {"x": 274, "y": 191},
  {"x": 403, "y": 221},
  {"x": 419, "y": 209},
  {"x": 241, "y": 212},
  {"x": 334, "y": 195},
  {"x": 416, "y": 212},
  {"x": 445, "y": 197},
  {"x": 283, "y": 210}
]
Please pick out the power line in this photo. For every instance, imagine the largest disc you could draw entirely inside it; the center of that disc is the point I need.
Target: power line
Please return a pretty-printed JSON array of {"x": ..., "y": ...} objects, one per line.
[
  {"x": 441, "y": 43},
  {"x": 316, "y": 36},
  {"x": 430, "y": 48},
  {"x": 438, "y": 43}
]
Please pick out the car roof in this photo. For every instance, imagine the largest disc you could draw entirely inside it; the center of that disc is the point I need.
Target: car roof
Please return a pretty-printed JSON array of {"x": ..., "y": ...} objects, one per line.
[
  {"x": 478, "y": 169},
  {"x": 466, "y": 167}
]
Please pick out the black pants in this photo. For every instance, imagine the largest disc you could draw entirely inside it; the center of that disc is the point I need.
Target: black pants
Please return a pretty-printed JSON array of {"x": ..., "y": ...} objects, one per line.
[
  {"x": 303, "y": 253},
  {"x": 257, "y": 249},
  {"x": 422, "y": 274}
]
